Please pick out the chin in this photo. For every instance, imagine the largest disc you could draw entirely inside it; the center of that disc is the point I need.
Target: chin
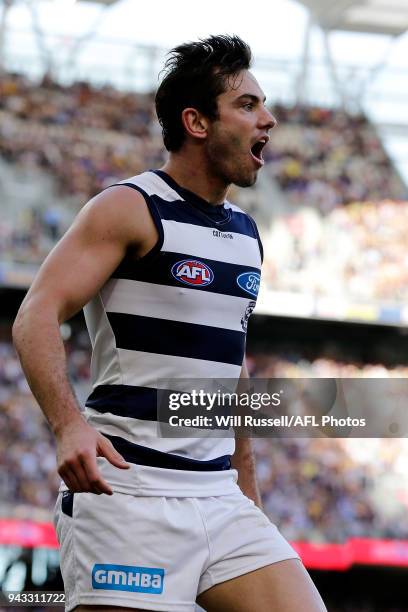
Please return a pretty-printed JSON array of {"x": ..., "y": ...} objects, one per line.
[{"x": 245, "y": 181}]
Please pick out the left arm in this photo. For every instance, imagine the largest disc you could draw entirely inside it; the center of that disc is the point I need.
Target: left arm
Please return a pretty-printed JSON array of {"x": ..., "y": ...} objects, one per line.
[{"x": 243, "y": 460}]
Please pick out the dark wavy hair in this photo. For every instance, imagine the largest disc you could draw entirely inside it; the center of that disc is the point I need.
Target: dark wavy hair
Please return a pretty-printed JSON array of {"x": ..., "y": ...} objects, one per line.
[{"x": 196, "y": 73}]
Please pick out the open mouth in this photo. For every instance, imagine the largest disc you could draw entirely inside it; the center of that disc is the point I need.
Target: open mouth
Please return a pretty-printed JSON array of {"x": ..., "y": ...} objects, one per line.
[{"x": 256, "y": 150}]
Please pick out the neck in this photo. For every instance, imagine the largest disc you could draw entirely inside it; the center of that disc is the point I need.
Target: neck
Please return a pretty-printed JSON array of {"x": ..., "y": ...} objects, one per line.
[{"x": 192, "y": 172}]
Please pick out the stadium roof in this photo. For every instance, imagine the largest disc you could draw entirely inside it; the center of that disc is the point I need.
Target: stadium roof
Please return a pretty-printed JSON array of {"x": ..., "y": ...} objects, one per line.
[{"x": 374, "y": 16}]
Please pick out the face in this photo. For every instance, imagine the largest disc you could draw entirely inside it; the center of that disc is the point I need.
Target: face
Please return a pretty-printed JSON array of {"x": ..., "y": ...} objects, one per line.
[{"x": 235, "y": 140}]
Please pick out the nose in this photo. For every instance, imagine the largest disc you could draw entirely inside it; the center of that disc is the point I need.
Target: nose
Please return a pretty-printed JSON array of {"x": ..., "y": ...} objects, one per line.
[{"x": 268, "y": 120}]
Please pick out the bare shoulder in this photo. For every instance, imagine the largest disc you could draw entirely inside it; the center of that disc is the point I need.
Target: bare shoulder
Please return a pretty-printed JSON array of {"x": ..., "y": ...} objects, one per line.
[
  {"x": 121, "y": 214},
  {"x": 115, "y": 222}
]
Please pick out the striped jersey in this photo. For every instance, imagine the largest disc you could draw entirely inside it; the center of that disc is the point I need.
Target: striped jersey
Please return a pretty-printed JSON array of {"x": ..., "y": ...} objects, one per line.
[{"x": 179, "y": 312}]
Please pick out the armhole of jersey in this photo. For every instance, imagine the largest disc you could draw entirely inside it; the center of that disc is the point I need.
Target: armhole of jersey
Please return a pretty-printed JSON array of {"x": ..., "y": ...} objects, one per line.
[
  {"x": 156, "y": 220},
  {"x": 257, "y": 237}
]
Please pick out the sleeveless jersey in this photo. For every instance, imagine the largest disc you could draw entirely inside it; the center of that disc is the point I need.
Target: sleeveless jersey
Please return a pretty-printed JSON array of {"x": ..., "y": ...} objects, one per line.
[{"x": 179, "y": 312}]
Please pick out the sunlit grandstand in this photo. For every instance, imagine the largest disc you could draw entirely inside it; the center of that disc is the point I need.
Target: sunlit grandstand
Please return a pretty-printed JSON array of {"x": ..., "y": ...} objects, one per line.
[{"x": 77, "y": 115}]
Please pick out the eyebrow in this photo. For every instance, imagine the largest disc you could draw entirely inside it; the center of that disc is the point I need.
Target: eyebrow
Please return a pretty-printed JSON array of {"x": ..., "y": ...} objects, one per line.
[{"x": 252, "y": 97}]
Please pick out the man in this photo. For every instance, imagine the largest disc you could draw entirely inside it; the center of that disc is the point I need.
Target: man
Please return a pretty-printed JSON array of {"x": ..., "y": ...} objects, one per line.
[{"x": 161, "y": 263}]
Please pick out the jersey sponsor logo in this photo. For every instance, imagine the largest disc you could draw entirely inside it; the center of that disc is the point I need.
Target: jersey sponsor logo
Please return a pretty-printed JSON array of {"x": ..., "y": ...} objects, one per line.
[
  {"x": 249, "y": 282},
  {"x": 247, "y": 314},
  {"x": 219, "y": 234},
  {"x": 192, "y": 272},
  {"x": 128, "y": 578}
]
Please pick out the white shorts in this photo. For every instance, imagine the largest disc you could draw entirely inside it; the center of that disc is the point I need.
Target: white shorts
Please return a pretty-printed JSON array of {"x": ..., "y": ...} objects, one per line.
[{"x": 156, "y": 552}]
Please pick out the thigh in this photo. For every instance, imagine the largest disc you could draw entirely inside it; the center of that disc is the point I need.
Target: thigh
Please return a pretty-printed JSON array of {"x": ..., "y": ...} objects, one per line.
[
  {"x": 280, "y": 587},
  {"x": 242, "y": 539}
]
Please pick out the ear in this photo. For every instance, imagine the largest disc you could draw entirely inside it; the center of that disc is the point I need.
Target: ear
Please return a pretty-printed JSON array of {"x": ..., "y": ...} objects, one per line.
[{"x": 194, "y": 122}]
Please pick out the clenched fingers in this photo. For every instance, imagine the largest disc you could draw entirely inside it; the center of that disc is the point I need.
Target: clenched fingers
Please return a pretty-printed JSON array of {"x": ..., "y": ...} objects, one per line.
[
  {"x": 96, "y": 482},
  {"x": 81, "y": 475}
]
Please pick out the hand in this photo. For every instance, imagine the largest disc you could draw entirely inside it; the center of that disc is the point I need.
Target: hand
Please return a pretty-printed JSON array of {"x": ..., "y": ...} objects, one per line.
[{"x": 78, "y": 445}]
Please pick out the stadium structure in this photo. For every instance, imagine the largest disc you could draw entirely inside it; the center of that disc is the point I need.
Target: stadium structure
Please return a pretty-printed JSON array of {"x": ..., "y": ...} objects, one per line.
[{"x": 332, "y": 206}]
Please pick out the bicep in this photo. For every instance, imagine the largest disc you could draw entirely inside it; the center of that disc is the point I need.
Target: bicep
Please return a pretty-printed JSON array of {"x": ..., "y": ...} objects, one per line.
[{"x": 87, "y": 254}]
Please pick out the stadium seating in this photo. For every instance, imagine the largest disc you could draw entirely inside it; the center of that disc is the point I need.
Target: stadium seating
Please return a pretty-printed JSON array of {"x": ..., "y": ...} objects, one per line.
[
  {"x": 355, "y": 251},
  {"x": 323, "y": 158}
]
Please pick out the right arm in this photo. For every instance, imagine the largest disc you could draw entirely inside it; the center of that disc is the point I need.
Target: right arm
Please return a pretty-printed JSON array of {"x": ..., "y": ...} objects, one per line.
[{"x": 73, "y": 272}]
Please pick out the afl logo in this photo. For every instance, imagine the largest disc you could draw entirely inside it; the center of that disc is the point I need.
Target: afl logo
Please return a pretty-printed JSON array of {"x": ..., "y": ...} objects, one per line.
[
  {"x": 249, "y": 282},
  {"x": 192, "y": 272}
]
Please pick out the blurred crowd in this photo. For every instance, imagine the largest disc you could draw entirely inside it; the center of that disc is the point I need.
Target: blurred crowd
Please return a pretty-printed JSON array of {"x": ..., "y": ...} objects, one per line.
[
  {"x": 335, "y": 242},
  {"x": 314, "y": 489},
  {"x": 291, "y": 362},
  {"x": 28, "y": 477},
  {"x": 323, "y": 158},
  {"x": 357, "y": 251},
  {"x": 84, "y": 138},
  {"x": 91, "y": 137},
  {"x": 31, "y": 234},
  {"x": 328, "y": 488},
  {"x": 332, "y": 489},
  {"x": 87, "y": 138}
]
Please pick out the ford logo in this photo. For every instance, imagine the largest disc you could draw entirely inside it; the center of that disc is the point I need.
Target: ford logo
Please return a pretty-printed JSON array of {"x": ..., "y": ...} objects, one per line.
[{"x": 249, "y": 282}]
